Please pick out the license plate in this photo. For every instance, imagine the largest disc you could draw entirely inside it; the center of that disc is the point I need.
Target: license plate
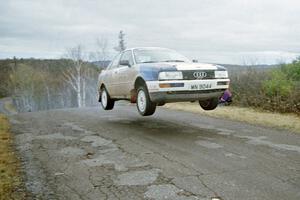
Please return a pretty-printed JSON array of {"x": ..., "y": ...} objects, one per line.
[{"x": 200, "y": 86}]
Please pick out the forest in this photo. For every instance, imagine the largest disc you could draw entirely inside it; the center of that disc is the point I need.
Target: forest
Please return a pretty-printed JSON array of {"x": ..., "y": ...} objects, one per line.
[{"x": 35, "y": 84}]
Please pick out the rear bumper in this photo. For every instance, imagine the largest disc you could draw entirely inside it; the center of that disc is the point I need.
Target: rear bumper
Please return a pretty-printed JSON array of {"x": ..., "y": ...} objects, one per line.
[{"x": 185, "y": 90}]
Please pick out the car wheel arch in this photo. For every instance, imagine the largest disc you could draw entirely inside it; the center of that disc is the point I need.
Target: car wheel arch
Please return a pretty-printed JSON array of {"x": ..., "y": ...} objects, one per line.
[
  {"x": 139, "y": 81},
  {"x": 101, "y": 86},
  {"x": 99, "y": 91}
]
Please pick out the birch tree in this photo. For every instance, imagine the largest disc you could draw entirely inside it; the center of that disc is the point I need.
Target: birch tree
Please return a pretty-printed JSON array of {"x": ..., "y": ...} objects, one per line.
[{"x": 73, "y": 75}]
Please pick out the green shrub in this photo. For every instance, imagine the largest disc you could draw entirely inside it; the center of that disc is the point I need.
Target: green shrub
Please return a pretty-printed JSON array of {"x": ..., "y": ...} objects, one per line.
[
  {"x": 278, "y": 85},
  {"x": 292, "y": 70}
]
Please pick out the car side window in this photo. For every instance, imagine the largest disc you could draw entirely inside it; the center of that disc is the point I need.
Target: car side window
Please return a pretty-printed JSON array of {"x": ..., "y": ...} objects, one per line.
[
  {"x": 127, "y": 55},
  {"x": 115, "y": 62}
]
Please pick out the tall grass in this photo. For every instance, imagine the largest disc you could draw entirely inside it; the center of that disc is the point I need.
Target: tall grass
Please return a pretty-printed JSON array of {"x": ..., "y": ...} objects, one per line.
[{"x": 11, "y": 186}]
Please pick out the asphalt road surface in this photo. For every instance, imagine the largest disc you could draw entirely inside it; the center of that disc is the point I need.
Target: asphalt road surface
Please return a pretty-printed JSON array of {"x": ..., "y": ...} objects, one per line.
[{"x": 94, "y": 154}]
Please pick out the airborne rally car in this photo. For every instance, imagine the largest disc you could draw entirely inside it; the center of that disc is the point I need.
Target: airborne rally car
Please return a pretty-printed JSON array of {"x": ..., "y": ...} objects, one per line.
[{"x": 151, "y": 77}]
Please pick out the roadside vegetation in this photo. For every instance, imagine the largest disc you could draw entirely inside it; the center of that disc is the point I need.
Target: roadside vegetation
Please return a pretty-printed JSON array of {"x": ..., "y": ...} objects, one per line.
[
  {"x": 11, "y": 186},
  {"x": 276, "y": 90}
]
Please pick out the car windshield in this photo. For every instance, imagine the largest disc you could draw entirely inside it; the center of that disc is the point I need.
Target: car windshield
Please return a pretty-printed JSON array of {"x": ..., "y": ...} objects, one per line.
[{"x": 158, "y": 55}]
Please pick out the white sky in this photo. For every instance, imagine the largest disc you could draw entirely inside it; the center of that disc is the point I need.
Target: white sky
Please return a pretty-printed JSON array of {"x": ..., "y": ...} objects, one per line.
[{"x": 218, "y": 31}]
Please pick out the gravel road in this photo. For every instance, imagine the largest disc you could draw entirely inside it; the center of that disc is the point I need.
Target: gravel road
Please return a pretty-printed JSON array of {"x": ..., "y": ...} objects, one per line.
[{"x": 94, "y": 154}]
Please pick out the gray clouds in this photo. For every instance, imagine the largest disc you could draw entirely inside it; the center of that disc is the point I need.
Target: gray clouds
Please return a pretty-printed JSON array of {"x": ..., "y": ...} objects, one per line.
[{"x": 213, "y": 31}]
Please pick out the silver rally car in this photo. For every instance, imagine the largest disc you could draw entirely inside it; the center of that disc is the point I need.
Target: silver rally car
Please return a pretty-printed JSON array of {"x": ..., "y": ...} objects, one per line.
[{"x": 151, "y": 76}]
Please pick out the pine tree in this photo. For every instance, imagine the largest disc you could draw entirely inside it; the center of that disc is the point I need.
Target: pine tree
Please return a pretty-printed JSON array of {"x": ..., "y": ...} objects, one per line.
[{"x": 121, "y": 47}]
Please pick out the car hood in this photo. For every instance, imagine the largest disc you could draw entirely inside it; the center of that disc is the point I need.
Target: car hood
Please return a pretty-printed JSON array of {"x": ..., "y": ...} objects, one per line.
[{"x": 180, "y": 66}]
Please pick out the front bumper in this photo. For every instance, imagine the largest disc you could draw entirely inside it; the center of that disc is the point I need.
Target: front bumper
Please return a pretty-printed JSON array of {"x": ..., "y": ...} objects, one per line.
[{"x": 187, "y": 90}]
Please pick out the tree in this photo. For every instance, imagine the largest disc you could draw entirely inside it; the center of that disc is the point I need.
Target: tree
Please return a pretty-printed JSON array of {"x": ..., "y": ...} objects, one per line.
[
  {"x": 121, "y": 47},
  {"x": 73, "y": 75},
  {"x": 23, "y": 83},
  {"x": 5, "y": 69},
  {"x": 81, "y": 76}
]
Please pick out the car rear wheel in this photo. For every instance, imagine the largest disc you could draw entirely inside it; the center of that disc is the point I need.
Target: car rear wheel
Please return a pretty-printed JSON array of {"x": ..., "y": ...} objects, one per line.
[
  {"x": 209, "y": 104},
  {"x": 144, "y": 104},
  {"x": 106, "y": 102}
]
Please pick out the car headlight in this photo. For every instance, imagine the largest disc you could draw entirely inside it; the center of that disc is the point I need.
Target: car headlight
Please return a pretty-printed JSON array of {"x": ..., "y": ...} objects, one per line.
[
  {"x": 175, "y": 75},
  {"x": 221, "y": 74}
]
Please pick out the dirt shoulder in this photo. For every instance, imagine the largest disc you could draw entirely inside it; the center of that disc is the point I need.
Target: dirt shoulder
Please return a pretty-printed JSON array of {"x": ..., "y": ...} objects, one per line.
[
  {"x": 249, "y": 115},
  {"x": 11, "y": 186}
]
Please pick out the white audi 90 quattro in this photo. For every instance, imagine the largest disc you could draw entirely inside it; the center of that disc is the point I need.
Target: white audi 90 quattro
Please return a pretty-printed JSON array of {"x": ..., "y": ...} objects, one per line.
[{"x": 151, "y": 77}]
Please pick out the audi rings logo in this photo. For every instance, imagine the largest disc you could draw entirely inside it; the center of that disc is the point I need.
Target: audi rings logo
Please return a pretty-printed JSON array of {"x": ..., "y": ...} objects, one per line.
[{"x": 199, "y": 75}]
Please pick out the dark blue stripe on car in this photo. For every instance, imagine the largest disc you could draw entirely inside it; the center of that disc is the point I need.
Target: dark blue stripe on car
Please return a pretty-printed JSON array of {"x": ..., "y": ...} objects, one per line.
[
  {"x": 150, "y": 73},
  {"x": 177, "y": 84}
]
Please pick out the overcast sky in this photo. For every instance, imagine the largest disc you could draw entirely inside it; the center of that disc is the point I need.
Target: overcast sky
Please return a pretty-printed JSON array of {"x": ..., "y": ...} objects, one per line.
[{"x": 218, "y": 31}]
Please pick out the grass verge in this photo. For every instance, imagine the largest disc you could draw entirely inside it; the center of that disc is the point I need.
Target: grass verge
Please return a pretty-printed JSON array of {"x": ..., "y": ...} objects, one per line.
[
  {"x": 276, "y": 120},
  {"x": 11, "y": 186}
]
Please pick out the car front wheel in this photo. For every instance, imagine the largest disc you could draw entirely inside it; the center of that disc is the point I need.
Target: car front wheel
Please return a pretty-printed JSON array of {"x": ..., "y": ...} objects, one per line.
[
  {"x": 209, "y": 104},
  {"x": 106, "y": 102},
  {"x": 144, "y": 104}
]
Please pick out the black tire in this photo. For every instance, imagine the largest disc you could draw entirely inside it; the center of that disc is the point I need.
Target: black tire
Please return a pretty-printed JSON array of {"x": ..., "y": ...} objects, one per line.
[
  {"x": 106, "y": 103},
  {"x": 143, "y": 103},
  {"x": 209, "y": 104},
  {"x": 161, "y": 104}
]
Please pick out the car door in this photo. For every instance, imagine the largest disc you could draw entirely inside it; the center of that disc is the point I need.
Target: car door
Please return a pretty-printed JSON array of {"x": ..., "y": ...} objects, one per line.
[
  {"x": 124, "y": 73},
  {"x": 111, "y": 82}
]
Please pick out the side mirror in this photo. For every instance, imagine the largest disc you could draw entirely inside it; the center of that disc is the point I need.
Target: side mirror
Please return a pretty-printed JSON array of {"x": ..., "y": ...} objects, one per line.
[
  {"x": 195, "y": 61},
  {"x": 125, "y": 63}
]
